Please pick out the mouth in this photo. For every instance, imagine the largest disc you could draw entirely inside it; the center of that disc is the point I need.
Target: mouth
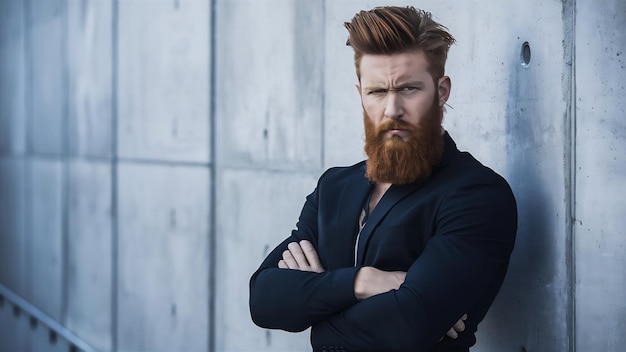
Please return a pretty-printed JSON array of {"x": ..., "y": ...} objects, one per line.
[{"x": 395, "y": 133}]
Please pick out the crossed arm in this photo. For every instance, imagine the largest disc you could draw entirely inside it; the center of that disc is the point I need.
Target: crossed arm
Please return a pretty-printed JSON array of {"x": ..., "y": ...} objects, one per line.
[
  {"x": 365, "y": 307},
  {"x": 368, "y": 282}
]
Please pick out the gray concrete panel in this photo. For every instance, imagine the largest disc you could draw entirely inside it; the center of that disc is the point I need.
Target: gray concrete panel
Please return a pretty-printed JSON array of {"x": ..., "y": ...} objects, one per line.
[
  {"x": 163, "y": 80},
  {"x": 343, "y": 114},
  {"x": 256, "y": 211},
  {"x": 90, "y": 30},
  {"x": 46, "y": 204},
  {"x": 512, "y": 118},
  {"x": 269, "y": 83},
  {"x": 89, "y": 256},
  {"x": 13, "y": 243},
  {"x": 47, "y": 49},
  {"x": 163, "y": 270},
  {"x": 600, "y": 228},
  {"x": 12, "y": 78}
]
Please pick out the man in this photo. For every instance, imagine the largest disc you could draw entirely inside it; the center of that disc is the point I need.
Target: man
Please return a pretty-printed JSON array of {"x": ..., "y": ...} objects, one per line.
[{"x": 389, "y": 253}]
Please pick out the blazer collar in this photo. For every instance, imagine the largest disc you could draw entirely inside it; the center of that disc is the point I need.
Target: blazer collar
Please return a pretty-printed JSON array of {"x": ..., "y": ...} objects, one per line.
[{"x": 449, "y": 149}]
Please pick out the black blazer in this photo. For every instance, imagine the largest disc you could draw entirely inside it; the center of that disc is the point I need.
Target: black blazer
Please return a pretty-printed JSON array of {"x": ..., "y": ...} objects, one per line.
[{"x": 452, "y": 233}]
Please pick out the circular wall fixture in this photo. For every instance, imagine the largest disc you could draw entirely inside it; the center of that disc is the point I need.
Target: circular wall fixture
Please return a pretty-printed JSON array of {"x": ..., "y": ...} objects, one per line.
[{"x": 525, "y": 54}]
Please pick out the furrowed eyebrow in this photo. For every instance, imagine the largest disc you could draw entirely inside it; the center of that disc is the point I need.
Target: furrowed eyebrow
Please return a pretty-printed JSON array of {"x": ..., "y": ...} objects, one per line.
[
  {"x": 411, "y": 83},
  {"x": 396, "y": 86},
  {"x": 375, "y": 88}
]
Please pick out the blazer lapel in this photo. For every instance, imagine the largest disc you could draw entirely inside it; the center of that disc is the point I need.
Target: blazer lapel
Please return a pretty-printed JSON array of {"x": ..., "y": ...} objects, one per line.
[
  {"x": 351, "y": 203},
  {"x": 393, "y": 195}
]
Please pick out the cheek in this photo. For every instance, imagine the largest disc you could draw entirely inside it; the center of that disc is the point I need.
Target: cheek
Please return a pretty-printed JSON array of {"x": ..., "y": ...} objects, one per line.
[
  {"x": 370, "y": 107},
  {"x": 423, "y": 106},
  {"x": 415, "y": 113},
  {"x": 373, "y": 111}
]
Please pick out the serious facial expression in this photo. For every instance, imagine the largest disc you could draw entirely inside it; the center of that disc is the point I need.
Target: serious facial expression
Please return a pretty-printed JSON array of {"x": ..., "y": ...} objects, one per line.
[{"x": 399, "y": 87}]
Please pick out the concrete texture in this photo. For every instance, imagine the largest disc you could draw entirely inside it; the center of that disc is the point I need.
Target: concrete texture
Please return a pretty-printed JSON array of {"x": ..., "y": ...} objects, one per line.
[
  {"x": 46, "y": 52},
  {"x": 90, "y": 252},
  {"x": 163, "y": 258},
  {"x": 600, "y": 225},
  {"x": 343, "y": 122},
  {"x": 13, "y": 243},
  {"x": 163, "y": 80},
  {"x": 256, "y": 210},
  {"x": 269, "y": 83},
  {"x": 152, "y": 152},
  {"x": 46, "y": 229},
  {"x": 90, "y": 108},
  {"x": 12, "y": 78}
]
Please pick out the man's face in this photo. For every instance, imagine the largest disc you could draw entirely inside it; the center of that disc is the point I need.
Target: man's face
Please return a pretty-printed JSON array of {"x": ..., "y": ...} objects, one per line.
[
  {"x": 402, "y": 115},
  {"x": 399, "y": 87}
]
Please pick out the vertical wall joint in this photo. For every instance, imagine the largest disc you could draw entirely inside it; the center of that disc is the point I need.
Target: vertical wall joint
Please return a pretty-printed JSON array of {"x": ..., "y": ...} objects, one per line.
[{"x": 569, "y": 90}]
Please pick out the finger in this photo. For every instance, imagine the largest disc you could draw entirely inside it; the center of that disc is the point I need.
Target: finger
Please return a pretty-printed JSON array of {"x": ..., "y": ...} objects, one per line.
[
  {"x": 282, "y": 264},
  {"x": 298, "y": 255},
  {"x": 464, "y": 317},
  {"x": 289, "y": 260},
  {"x": 311, "y": 256},
  {"x": 452, "y": 334},
  {"x": 459, "y": 326}
]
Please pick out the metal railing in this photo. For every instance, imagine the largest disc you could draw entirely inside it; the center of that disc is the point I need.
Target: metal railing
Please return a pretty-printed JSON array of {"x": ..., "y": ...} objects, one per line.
[{"x": 22, "y": 309}]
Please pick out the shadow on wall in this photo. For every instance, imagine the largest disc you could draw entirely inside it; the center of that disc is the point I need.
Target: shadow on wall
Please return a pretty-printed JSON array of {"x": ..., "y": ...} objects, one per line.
[{"x": 526, "y": 314}]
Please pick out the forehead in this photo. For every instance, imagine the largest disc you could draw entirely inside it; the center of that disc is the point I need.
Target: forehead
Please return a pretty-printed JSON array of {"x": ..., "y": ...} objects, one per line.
[{"x": 394, "y": 68}]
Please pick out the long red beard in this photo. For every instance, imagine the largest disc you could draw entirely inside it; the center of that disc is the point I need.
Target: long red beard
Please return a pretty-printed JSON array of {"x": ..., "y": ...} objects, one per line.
[{"x": 393, "y": 160}]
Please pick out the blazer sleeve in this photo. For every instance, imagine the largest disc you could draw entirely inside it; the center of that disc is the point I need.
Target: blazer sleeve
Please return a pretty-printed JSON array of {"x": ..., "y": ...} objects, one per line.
[
  {"x": 474, "y": 237},
  {"x": 294, "y": 300}
]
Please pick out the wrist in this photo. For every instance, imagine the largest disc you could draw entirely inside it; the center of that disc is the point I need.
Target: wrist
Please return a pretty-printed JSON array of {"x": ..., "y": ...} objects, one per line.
[{"x": 360, "y": 285}]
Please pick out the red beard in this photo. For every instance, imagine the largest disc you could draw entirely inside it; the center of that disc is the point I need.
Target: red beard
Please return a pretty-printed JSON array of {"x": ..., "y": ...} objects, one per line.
[{"x": 393, "y": 160}]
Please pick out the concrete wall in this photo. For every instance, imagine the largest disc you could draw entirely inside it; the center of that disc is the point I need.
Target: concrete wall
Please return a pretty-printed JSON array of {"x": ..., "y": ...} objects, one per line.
[
  {"x": 153, "y": 152},
  {"x": 600, "y": 169},
  {"x": 106, "y": 170}
]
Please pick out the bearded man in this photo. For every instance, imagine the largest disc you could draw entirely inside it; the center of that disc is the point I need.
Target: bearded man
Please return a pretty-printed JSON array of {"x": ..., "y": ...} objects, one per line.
[{"x": 407, "y": 250}]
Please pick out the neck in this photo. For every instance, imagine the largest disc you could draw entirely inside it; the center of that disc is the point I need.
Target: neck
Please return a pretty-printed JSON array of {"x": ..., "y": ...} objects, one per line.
[
  {"x": 377, "y": 193},
  {"x": 382, "y": 186}
]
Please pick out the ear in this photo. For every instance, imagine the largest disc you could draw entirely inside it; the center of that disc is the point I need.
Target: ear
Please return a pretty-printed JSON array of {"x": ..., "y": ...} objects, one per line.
[
  {"x": 444, "y": 86},
  {"x": 358, "y": 88}
]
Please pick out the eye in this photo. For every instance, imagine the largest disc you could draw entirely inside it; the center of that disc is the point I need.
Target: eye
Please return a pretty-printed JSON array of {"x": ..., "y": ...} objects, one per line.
[
  {"x": 377, "y": 92},
  {"x": 408, "y": 89}
]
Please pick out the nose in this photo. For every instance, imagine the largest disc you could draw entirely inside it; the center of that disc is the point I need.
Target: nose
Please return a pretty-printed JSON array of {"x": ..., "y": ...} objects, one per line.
[{"x": 393, "y": 106}]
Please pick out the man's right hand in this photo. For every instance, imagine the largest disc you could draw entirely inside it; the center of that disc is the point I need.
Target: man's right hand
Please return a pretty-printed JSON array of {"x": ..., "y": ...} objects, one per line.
[{"x": 370, "y": 281}]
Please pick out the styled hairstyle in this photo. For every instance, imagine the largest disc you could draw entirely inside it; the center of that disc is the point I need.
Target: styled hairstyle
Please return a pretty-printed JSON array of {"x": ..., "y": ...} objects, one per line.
[{"x": 391, "y": 30}]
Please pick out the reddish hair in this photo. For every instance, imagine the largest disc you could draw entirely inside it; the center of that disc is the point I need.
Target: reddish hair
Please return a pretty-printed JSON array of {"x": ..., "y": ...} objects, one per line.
[{"x": 391, "y": 30}]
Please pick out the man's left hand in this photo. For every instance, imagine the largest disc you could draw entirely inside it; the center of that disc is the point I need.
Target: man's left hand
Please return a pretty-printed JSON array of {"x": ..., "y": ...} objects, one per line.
[
  {"x": 454, "y": 331},
  {"x": 301, "y": 256}
]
